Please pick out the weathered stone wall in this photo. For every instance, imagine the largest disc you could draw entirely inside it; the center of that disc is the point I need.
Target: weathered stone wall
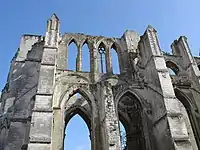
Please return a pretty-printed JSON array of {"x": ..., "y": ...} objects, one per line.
[
  {"x": 159, "y": 111},
  {"x": 18, "y": 93}
]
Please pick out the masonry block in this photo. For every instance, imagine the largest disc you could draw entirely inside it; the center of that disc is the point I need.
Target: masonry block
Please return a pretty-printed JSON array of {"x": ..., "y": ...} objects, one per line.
[{"x": 41, "y": 127}]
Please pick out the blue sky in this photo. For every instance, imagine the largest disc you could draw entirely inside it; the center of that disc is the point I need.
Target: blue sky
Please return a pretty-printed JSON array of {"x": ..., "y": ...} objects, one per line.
[
  {"x": 171, "y": 18},
  {"x": 77, "y": 135}
]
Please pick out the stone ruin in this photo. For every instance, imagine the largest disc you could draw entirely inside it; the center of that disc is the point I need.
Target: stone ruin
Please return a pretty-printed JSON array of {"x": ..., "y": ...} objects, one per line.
[{"x": 159, "y": 110}]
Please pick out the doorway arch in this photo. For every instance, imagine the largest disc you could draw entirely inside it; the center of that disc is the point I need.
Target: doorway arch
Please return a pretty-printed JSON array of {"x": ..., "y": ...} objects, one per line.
[
  {"x": 130, "y": 112},
  {"x": 66, "y": 107}
]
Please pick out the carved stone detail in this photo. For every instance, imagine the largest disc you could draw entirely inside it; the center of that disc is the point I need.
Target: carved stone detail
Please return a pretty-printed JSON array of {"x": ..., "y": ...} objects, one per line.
[{"x": 181, "y": 80}]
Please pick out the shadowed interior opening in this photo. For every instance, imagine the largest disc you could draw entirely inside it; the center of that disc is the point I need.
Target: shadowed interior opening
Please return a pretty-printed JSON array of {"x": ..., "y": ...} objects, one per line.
[
  {"x": 199, "y": 66},
  {"x": 190, "y": 119},
  {"x": 173, "y": 68},
  {"x": 129, "y": 110}
]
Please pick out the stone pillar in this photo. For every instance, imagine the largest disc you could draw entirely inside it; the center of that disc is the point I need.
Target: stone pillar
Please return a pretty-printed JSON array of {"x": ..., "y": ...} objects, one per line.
[
  {"x": 58, "y": 129},
  {"x": 170, "y": 126},
  {"x": 108, "y": 60},
  {"x": 130, "y": 44},
  {"x": 61, "y": 61},
  {"x": 109, "y": 119},
  {"x": 94, "y": 65},
  {"x": 96, "y": 134},
  {"x": 180, "y": 47},
  {"x": 79, "y": 59},
  {"x": 41, "y": 122}
]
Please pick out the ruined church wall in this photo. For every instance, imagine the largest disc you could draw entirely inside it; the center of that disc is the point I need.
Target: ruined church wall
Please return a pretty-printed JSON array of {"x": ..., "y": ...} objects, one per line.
[
  {"x": 39, "y": 84},
  {"x": 20, "y": 90}
]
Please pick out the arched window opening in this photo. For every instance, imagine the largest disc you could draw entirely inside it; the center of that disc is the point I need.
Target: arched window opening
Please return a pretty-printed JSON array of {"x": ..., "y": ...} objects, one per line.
[
  {"x": 130, "y": 108},
  {"x": 77, "y": 123},
  {"x": 192, "y": 127},
  {"x": 122, "y": 136},
  {"x": 199, "y": 66},
  {"x": 85, "y": 58},
  {"x": 102, "y": 58},
  {"x": 171, "y": 72},
  {"x": 115, "y": 61},
  {"x": 71, "y": 55},
  {"x": 77, "y": 95},
  {"x": 77, "y": 135},
  {"x": 173, "y": 68}
]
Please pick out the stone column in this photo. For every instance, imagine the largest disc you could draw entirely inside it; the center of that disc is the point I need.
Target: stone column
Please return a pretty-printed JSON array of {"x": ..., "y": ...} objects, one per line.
[
  {"x": 61, "y": 61},
  {"x": 130, "y": 40},
  {"x": 40, "y": 131},
  {"x": 79, "y": 59},
  {"x": 58, "y": 129},
  {"x": 41, "y": 122},
  {"x": 108, "y": 60},
  {"x": 109, "y": 119},
  {"x": 170, "y": 126},
  {"x": 94, "y": 65}
]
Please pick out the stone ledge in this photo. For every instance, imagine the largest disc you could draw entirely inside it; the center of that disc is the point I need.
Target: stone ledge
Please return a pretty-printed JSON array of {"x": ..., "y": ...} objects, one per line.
[{"x": 39, "y": 146}]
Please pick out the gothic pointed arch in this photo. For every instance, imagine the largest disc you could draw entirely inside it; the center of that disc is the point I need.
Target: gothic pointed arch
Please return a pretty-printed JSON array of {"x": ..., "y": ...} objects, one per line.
[
  {"x": 78, "y": 106},
  {"x": 72, "y": 40},
  {"x": 75, "y": 100},
  {"x": 102, "y": 57},
  {"x": 187, "y": 102},
  {"x": 189, "y": 111},
  {"x": 130, "y": 112},
  {"x": 86, "y": 116},
  {"x": 86, "y": 61},
  {"x": 72, "y": 52},
  {"x": 114, "y": 50},
  {"x": 73, "y": 90}
]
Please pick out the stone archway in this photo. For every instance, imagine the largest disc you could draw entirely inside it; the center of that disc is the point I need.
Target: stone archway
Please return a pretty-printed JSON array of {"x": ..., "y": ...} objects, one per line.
[
  {"x": 78, "y": 104},
  {"x": 171, "y": 65},
  {"x": 187, "y": 109},
  {"x": 130, "y": 108},
  {"x": 69, "y": 106}
]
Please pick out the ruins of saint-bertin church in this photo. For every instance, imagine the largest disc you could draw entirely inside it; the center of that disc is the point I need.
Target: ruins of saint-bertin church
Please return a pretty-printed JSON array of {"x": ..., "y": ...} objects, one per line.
[{"x": 159, "y": 111}]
